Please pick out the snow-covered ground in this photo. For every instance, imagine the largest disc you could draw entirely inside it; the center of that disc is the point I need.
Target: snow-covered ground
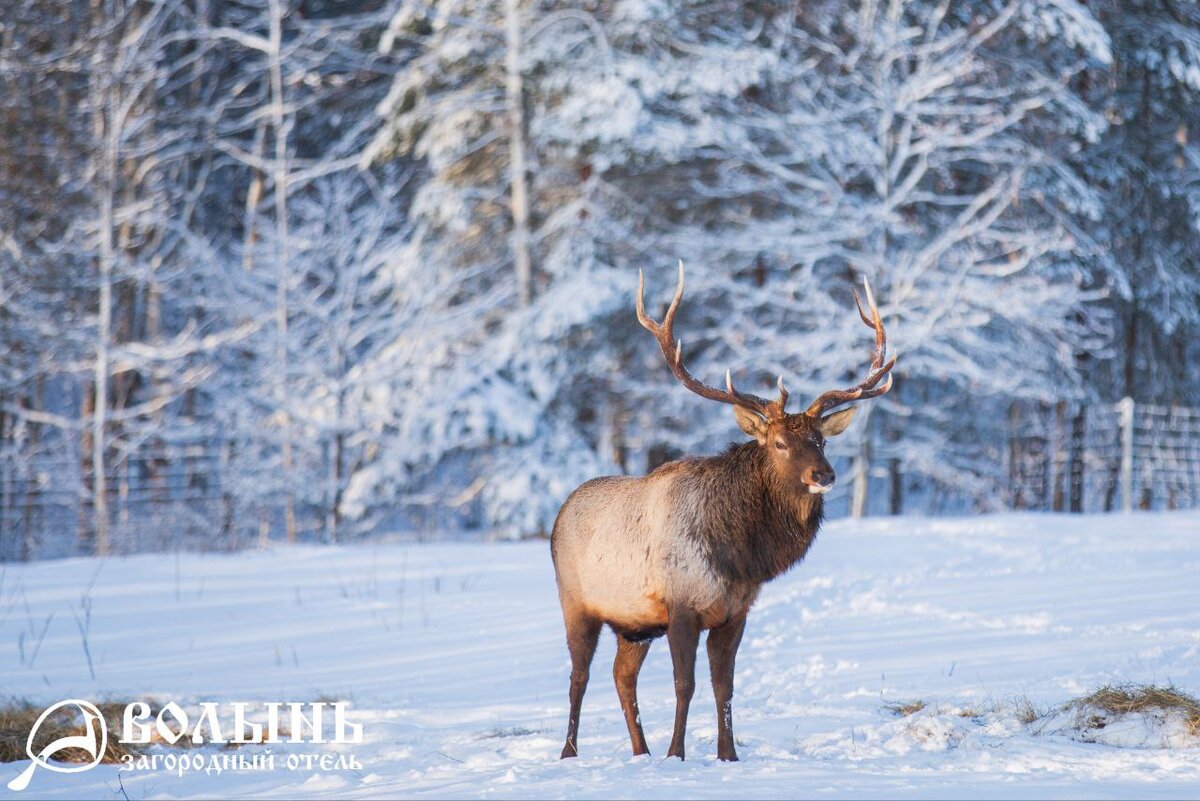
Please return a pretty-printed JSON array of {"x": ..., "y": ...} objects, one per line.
[{"x": 453, "y": 658}]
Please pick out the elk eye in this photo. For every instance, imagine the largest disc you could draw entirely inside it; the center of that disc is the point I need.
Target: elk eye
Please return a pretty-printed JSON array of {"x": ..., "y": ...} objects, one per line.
[{"x": 780, "y": 446}]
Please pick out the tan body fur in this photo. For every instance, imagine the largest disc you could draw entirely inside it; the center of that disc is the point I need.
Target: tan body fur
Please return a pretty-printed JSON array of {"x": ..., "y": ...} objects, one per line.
[{"x": 621, "y": 555}]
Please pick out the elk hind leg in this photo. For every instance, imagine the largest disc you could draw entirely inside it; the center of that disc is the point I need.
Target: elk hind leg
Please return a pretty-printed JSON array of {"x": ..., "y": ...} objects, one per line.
[
  {"x": 626, "y": 666},
  {"x": 582, "y": 634},
  {"x": 683, "y": 635}
]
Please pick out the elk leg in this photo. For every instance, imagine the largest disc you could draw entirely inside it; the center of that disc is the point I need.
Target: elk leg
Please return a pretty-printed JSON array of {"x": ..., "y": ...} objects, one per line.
[
  {"x": 683, "y": 635},
  {"x": 626, "y": 667},
  {"x": 582, "y": 634},
  {"x": 723, "y": 643}
]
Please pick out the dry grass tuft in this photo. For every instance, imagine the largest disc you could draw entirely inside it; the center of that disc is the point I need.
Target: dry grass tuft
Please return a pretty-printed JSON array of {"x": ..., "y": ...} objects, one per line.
[
  {"x": 905, "y": 708},
  {"x": 1022, "y": 706},
  {"x": 1026, "y": 712},
  {"x": 1126, "y": 698},
  {"x": 18, "y": 717}
]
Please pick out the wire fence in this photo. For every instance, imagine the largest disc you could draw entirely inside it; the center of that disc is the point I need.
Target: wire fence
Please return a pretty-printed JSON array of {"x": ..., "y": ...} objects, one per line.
[
  {"x": 1105, "y": 457},
  {"x": 161, "y": 497},
  {"x": 169, "y": 495}
]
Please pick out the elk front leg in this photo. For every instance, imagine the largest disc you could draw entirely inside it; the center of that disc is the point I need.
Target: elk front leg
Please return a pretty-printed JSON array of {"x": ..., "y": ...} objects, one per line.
[
  {"x": 683, "y": 635},
  {"x": 626, "y": 667},
  {"x": 582, "y": 634},
  {"x": 723, "y": 643}
]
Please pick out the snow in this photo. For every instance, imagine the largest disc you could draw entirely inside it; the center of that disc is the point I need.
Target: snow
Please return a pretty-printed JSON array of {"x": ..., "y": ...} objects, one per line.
[
  {"x": 453, "y": 659},
  {"x": 1155, "y": 728}
]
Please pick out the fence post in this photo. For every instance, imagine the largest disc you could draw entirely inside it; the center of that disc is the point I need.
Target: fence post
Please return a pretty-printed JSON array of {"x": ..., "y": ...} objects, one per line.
[
  {"x": 860, "y": 467},
  {"x": 1125, "y": 407}
]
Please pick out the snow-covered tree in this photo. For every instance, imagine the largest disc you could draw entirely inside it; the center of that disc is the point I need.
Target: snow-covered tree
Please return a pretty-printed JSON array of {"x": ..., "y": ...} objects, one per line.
[
  {"x": 291, "y": 75},
  {"x": 40, "y": 282},
  {"x": 348, "y": 317},
  {"x": 958, "y": 200},
  {"x": 1147, "y": 165},
  {"x": 319, "y": 269},
  {"x": 780, "y": 155},
  {"x": 117, "y": 356}
]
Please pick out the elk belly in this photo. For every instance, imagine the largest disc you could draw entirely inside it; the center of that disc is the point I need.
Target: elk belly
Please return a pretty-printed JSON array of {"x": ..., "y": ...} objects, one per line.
[{"x": 622, "y": 586}]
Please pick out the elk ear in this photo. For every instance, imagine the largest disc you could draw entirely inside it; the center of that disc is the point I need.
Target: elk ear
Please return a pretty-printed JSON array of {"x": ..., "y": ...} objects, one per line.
[
  {"x": 836, "y": 423},
  {"x": 751, "y": 422}
]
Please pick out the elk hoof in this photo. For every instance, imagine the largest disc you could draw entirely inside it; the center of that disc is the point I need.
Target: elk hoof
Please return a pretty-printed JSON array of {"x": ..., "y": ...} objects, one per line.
[{"x": 568, "y": 752}]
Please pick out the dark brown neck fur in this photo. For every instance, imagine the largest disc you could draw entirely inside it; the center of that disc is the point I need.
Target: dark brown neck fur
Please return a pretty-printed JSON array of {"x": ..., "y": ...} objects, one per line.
[{"x": 752, "y": 529}]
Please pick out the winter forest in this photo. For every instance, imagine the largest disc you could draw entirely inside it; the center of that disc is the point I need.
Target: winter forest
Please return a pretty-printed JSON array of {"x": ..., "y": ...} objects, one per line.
[{"x": 322, "y": 270}]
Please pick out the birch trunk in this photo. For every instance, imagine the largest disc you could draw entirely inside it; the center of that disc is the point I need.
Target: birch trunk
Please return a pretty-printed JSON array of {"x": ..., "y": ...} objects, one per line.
[
  {"x": 106, "y": 132},
  {"x": 280, "y": 177},
  {"x": 514, "y": 105}
]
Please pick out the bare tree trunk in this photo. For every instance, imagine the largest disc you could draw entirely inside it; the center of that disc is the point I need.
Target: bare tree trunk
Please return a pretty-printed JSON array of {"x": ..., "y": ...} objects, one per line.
[
  {"x": 105, "y": 129},
  {"x": 280, "y": 175},
  {"x": 1016, "y": 497},
  {"x": 514, "y": 104},
  {"x": 893, "y": 435},
  {"x": 8, "y": 484},
  {"x": 897, "y": 497},
  {"x": 1058, "y": 458},
  {"x": 85, "y": 535},
  {"x": 33, "y": 491},
  {"x": 253, "y": 196},
  {"x": 1076, "y": 466},
  {"x": 883, "y": 190},
  {"x": 333, "y": 515},
  {"x": 858, "y": 493}
]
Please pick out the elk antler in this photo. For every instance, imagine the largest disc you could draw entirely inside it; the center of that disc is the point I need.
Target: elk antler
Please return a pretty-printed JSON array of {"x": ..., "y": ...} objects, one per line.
[
  {"x": 673, "y": 350},
  {"x": 879, "y": 368}
]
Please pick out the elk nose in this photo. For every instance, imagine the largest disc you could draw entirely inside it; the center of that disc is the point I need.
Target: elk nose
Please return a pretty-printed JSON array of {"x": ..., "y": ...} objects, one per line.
[{"x": 822, "y": 478}]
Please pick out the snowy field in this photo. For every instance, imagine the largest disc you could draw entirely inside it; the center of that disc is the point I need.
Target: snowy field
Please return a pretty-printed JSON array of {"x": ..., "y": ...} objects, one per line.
[{"x": 452, "y": 657}]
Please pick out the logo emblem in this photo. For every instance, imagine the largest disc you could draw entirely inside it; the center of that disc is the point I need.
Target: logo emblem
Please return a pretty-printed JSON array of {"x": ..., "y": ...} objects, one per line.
[{"x": 94, "y": 742}]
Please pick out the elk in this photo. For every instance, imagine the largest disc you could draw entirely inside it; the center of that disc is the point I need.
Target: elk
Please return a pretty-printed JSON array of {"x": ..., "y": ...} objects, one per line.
[{"x": 686, "y": 548}]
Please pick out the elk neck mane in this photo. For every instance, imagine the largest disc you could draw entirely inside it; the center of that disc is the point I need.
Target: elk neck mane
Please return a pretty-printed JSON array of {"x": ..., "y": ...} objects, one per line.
[{"x": 751, "y": 526}]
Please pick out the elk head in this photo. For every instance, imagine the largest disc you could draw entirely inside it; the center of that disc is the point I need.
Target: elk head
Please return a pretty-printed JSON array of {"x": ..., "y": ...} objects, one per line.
[{"x": 794, "y": 443}]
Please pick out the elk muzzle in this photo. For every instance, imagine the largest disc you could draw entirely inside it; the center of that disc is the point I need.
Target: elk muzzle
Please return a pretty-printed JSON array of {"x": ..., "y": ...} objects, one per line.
[{"x": 819, "y": 479}]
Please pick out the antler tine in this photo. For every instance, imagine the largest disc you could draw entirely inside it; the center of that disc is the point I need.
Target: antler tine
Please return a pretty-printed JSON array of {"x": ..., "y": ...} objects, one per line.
[
  {"x": 874, "y": 322},
  {"x": 879, "y": 368},
  {"x": 668, "y": 322},
  {"x": 672, "y": 349},
  {"x": 862, "y": 315}
]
